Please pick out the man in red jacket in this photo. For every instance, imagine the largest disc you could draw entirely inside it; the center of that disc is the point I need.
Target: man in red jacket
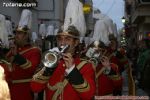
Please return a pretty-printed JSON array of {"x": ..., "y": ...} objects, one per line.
[
  {"x": 72, "y": 78},
  {"x": 24, "y": 59},
  {"x": 119, "y": 58},
  {"x": 107, "y": 73}
]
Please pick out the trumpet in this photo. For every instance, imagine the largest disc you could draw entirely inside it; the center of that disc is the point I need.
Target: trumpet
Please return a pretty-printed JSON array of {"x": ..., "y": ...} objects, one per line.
[
  {"x": 96, "y": 52},
  {"x": 50, "y": 58}
]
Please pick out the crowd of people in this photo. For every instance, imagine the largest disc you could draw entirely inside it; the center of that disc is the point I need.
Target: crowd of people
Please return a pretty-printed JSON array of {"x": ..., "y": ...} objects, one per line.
[
  {"x": 69, "y": 71},
  {"x": 75, "y": 75},
  {"x": 140, "y": 57}
]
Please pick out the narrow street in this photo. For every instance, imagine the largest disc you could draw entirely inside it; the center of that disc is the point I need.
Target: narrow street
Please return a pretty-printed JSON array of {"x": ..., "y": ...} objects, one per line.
[
  {"x": 74, "y": 49},
  {"x": 125, "y": 91}
]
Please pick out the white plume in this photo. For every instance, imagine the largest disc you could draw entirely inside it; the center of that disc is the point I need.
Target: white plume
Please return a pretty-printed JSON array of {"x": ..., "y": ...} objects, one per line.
[
  {"x": 75, "y": 16},
  {"x": 42, "y": 30},
  {"x": 50, "y": 30},
  {"x": 26, "y": 18},
  {"x": 3, "y": 32}
]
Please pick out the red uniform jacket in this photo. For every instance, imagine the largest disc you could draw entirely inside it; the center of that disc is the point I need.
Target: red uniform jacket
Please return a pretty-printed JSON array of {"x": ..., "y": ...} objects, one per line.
[
  {"x": 106, "y": 83},
  {"x": 83, "y": 91},
  {"x": 22, "y": 74},
  {"x": 120, "y": 67},
  {"x": 120, "y": 59}
]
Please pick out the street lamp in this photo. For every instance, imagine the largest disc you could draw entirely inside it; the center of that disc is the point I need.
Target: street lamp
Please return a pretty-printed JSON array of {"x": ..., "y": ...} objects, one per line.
[
  {"x": 123, "y": 20},
  {"x": 123, "y": 37}
]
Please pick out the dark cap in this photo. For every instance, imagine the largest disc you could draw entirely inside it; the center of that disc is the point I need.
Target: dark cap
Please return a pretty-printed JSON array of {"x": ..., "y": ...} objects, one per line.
[
  {"x": 24, "y": 29},
  {"x": 71, "y": 31}
]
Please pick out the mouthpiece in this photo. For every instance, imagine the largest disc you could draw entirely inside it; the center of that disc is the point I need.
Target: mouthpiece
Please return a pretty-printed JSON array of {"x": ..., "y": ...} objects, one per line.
[{"x": 64, "y": 48}]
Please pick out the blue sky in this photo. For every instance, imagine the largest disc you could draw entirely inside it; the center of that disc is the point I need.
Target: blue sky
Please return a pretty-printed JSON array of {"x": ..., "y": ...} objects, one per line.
[{"x": 112, "y": 8}]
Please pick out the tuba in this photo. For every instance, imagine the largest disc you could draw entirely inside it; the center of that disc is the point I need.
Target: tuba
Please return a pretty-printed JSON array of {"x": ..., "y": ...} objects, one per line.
[{"x": 50, "y": 58}]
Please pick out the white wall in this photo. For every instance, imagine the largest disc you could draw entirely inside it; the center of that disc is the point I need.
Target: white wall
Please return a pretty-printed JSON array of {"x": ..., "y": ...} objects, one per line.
[{"x": 51, "y": 10}]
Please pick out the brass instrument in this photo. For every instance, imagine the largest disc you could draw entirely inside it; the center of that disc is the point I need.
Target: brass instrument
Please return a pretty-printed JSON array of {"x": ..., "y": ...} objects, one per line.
[
  {"x": 50, "y": 58},
  {"x": 96, "y": 51}
]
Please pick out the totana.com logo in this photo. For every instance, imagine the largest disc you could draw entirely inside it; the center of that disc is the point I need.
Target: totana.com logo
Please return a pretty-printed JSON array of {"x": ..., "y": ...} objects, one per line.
[{"x": 19, "y": 4}]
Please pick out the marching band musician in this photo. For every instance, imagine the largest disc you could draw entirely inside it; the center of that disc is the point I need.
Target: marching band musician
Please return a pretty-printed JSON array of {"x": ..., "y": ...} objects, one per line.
[
  {"x": 118, "y": 57},
  {"x": 4, "y": 47},
  {"x": 118, "y": 53},
  {"x": 106, "y": 71},
  {"x": 24, "y": 59},
  {"x": 4, "y": 63},
  {"x": 72, "y": 78},
  {"x": 3, "y": 32}
]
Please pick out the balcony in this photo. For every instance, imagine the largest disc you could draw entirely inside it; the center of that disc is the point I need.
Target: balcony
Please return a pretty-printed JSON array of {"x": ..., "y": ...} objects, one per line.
[
  {"x": 144, "y": 2},
  {"x": 140, "y": 10}
]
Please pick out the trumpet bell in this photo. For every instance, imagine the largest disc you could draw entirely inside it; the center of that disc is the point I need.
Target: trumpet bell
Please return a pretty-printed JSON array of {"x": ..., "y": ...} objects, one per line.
[{"x": 50, "y": 59}]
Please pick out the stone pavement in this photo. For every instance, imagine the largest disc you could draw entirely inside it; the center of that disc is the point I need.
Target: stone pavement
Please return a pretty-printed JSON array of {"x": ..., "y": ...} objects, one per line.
[{"x": 139, "y": 91}]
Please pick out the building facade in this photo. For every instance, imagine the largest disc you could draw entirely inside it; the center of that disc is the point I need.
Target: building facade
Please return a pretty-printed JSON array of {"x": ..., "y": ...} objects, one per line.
[
  {"x": 137, "y": 14},
  {"x": 46, "y": 11}
]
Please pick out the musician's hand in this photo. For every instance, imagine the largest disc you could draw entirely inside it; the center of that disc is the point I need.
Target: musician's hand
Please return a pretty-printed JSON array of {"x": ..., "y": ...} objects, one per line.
[
  {"x": 105, "y": 61},
  {"x": 13, "y": 49},
  {"x": 69, "y": 60}
]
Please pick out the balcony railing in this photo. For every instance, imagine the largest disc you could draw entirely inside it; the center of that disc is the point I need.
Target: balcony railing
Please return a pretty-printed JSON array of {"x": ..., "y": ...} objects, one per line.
[{"x": 144, "y": 2}]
